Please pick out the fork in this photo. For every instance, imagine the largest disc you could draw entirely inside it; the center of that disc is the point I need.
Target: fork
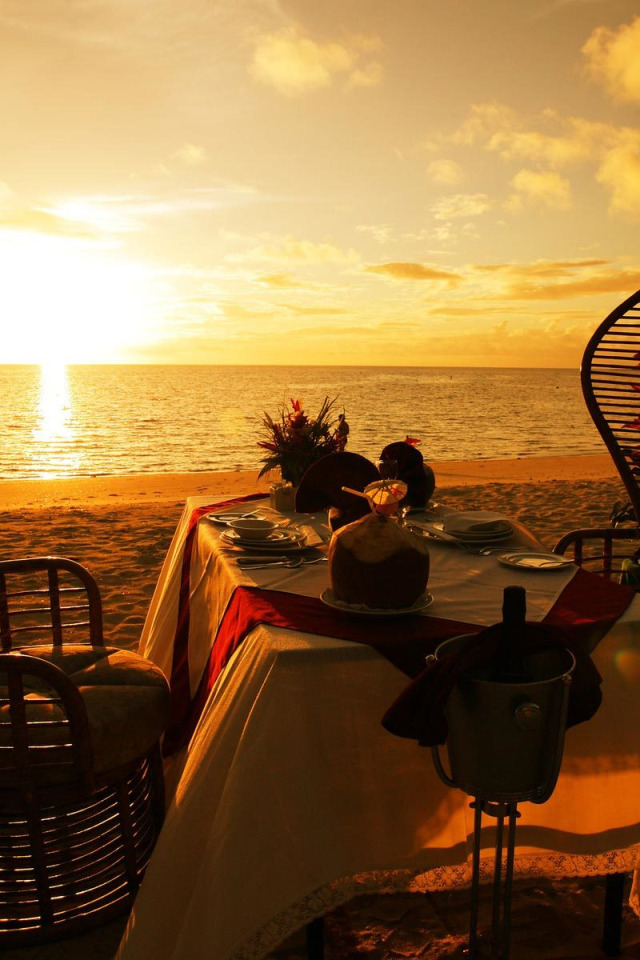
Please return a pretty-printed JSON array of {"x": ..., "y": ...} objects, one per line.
[{"x": 289, "y": 562}]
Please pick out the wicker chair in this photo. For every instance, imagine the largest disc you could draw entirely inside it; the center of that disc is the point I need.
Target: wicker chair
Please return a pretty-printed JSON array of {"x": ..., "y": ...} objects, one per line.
[
  {"x": 81, "y": 788},
  {"x": 610, "y": 377}
]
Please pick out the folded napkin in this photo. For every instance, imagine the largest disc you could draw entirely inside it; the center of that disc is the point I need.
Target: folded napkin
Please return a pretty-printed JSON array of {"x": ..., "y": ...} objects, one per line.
[
  {"x": 314, "y": 539},
  {"x": 418, "y": 713},
  {"x": 477, "y": 521}
]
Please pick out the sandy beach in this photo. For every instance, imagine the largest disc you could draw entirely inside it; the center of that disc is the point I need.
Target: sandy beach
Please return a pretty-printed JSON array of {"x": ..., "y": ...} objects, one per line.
[{"x": 121, "y": 528}]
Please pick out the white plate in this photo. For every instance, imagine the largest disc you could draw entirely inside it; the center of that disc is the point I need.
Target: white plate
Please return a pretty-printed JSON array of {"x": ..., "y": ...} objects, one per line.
[
  {"x": 531, "y": 560},
  {"x": 278, "y": 540},
  {"x": 360, "y": 609},
  {"x": 483, "y": 537},
  {"x": 226, "y": 518},
  {"x": 474, "y": 537}
]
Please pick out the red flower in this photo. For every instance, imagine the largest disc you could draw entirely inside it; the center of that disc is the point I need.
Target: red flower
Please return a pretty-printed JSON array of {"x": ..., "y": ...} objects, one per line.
[{"x": 412, "y": 441}]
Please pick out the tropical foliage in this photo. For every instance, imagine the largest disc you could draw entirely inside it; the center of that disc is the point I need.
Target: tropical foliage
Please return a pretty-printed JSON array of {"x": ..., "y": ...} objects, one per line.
[{"x": 294, "y": 440}]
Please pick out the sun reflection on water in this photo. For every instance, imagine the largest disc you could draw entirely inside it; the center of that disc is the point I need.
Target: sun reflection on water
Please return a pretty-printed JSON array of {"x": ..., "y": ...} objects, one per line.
[{"x": 54, "y": 431}]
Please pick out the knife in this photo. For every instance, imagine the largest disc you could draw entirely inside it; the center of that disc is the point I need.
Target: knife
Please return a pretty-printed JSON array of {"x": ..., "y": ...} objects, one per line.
[{"x": 249, "y": 561}]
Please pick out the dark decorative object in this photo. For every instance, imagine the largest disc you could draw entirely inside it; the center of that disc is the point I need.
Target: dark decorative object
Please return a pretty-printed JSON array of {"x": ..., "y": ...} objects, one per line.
[
  {"x": 412, "y": 470},
  {"x": 321, "y": 487}
]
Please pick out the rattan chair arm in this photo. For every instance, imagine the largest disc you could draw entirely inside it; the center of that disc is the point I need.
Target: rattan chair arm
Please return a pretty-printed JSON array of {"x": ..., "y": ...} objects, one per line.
[{"x": 16, "y": 667}]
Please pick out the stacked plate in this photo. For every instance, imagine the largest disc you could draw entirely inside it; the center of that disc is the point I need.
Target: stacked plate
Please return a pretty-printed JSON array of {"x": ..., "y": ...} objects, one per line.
[
  {"x": 284, "y": 539},
  {"x": 479, "y": 527},
  {"x": 227, "y": 516}
]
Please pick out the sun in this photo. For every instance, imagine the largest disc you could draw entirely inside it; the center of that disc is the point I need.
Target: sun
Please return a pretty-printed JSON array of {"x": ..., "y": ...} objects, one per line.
[{"x": 62, "y": 302}]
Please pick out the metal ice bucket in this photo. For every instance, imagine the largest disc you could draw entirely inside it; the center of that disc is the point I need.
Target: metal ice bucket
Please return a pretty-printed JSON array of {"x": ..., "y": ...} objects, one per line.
[{"x": 505, "y": 740}]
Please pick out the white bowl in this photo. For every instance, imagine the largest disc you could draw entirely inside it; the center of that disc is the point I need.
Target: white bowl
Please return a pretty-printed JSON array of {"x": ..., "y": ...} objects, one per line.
[{"x": 253, "y": 529}]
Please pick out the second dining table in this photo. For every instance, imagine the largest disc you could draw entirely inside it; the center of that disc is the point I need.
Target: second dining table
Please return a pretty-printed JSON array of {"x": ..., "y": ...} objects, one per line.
[{"x": 287, "y": 796}]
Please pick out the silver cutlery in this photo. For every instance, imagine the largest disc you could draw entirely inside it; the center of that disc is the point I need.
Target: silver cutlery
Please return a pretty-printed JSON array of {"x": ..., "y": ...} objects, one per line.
[{"x": 247, "y": 563}]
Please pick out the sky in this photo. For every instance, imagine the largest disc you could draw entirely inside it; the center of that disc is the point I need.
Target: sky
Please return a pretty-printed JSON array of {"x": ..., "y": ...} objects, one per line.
[{"x": 380, "y": 182}]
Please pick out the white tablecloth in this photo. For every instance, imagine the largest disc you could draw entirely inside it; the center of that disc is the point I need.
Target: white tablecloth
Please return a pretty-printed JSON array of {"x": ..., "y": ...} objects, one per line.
[{"x": 291, "y": 798}]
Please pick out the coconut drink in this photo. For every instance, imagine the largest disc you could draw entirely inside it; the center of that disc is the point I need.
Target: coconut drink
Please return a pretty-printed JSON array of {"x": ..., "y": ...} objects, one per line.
[{"x": 379, "y": 563}]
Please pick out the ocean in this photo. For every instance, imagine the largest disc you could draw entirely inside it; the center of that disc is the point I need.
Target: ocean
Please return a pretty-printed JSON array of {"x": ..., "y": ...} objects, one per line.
[{"x": 117, "y": 420}]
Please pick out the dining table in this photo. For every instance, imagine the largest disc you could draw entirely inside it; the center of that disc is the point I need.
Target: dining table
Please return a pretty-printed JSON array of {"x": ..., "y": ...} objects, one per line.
[{"x": 287, "y": 797}]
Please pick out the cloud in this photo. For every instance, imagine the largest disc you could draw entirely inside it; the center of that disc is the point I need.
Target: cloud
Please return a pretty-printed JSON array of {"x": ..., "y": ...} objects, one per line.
[
  {"x": 559, "y": 279},
  {"x": 619, "y": 173},
  {"x": 42, "y": 220},
  {"x": 461, "y": 205},
  {"x": 543, "y": 268},
  {"x": 484, "y": 120},
  {"x": 294, "y": 249},
  {"x": 294, "y": 64},
  {"x": 313, "y": 311},
  {"x": 381, "y": 232},
  {"x": 414, "y": 271},
  {"x": 445, "y": 171},
  {"x": 279, "y": 281},
  {"x": 551, "y": 143},
  {"x": 121, "y": 213},
  {"x": 613, "y": 58},
  {"x": 610, "y": 282},
  {"x": 540, "y": 188},
  {"x": 191, "y": 154},
  {"x": 553, "y": 151}
]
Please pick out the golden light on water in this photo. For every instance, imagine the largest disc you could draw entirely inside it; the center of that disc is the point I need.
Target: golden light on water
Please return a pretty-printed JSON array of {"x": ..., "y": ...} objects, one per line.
[{"x": 54, "y": 432}]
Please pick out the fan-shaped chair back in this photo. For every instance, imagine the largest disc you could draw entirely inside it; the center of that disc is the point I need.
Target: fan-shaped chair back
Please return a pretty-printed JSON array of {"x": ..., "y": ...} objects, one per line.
[
  {"x": 48, "y": 600},
  {"x": 610, "y": 376}
]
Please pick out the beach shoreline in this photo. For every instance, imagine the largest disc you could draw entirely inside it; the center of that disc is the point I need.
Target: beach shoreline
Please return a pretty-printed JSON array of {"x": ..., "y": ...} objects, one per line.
[
  {"x": 120, "y": 527},
  {"x": 162, "y": 487}
]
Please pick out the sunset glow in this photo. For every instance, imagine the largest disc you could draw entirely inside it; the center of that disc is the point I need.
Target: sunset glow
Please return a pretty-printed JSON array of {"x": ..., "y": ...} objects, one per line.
[{"x": 298, "y": 183}]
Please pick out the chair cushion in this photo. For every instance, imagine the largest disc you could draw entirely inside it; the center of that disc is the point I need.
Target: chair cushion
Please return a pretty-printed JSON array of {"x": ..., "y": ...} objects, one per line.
[{"x": 126, "y": 698}]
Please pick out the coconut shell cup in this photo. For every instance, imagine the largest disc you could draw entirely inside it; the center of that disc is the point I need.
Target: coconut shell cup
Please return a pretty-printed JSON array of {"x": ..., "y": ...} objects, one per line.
[
  {"x": 376, "y": 562},
  {"x": 412, "y": 469}
]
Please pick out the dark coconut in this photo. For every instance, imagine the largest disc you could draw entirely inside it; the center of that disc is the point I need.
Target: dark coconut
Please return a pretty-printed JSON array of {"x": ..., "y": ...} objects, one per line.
[
  {"x": 376, "y": 562},
  {"x": 418, "y": 475}
]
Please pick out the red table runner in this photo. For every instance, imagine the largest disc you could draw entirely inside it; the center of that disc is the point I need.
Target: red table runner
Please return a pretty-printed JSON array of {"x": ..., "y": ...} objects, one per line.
[{"x": 586, "y": 609}]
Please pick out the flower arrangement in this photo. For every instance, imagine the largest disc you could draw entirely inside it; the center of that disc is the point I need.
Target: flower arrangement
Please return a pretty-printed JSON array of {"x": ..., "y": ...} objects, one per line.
[{"x": 294, "y": 440}]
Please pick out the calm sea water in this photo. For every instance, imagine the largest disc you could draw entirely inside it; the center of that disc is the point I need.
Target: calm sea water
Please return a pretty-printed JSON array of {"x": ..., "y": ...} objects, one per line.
[{"x": 84, "y": 420}]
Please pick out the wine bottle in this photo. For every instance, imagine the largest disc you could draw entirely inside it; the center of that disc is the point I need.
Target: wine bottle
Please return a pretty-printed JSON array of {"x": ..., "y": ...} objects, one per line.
[{"x": 510, "y": 666}]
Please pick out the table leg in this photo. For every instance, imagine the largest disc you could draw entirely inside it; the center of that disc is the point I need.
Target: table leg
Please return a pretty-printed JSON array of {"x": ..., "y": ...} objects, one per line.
[
  {"x": 612, "y": 925},
  {"x": 315, "y": 939}
]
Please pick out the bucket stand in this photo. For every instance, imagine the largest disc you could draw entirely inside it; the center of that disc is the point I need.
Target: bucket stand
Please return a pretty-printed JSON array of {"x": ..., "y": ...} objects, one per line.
[{"x": 500, "y": 900}]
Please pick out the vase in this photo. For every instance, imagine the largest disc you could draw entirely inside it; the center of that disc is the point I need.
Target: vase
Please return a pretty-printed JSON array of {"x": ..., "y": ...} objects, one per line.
[{"x": 282, "y": 497}]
